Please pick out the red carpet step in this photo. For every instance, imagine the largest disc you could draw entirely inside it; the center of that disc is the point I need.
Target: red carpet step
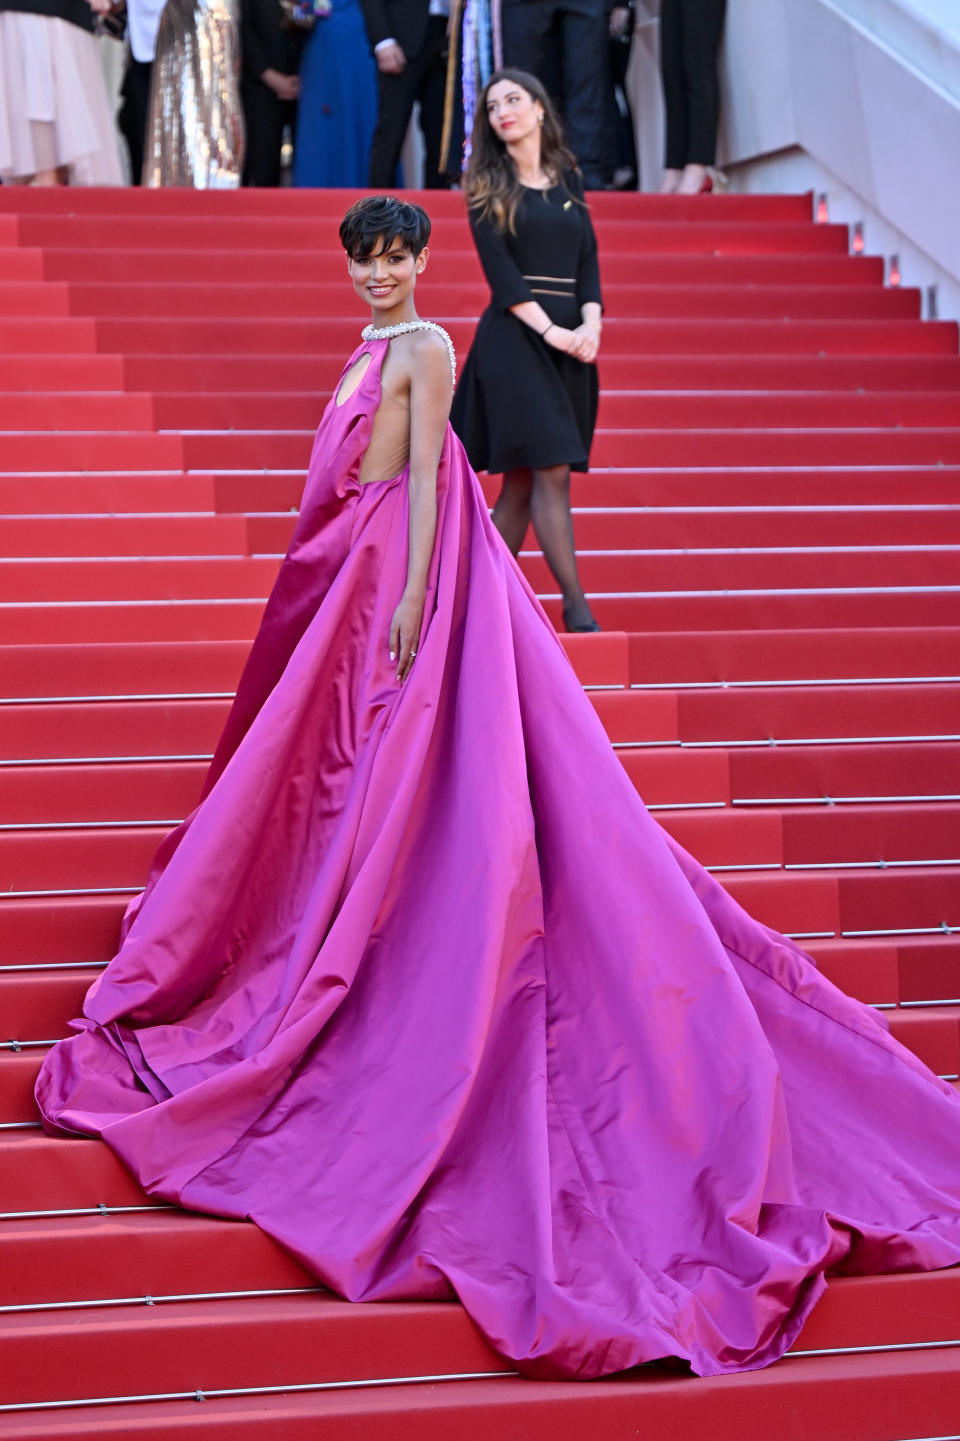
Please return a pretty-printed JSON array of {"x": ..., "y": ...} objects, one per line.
[{"x": 769, "y": 537}]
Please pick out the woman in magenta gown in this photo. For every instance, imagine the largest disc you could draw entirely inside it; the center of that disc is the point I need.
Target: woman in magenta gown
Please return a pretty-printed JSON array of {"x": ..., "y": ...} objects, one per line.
[{"x": 422, "y": 989}]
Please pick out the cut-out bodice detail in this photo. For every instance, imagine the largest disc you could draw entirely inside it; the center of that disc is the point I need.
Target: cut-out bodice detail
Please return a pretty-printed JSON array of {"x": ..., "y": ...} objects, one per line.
[{"x": 353, "y": 378}]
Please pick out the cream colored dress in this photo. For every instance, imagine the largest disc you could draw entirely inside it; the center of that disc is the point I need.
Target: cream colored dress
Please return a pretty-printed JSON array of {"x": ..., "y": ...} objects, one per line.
[
  {"x": 195, "y": 128},
  {"x": 53, "y": 102}
]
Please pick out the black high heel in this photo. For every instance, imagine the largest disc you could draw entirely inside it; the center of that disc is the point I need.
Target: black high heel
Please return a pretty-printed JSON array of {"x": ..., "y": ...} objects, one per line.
[{"x": 589, "y": 626}]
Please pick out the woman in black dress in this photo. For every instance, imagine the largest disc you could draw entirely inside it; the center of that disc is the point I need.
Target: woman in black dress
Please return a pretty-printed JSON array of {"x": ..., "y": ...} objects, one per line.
[{"x": 526, "y": 404}]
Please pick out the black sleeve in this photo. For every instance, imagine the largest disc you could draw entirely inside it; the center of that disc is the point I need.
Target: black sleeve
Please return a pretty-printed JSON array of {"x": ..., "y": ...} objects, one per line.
[
  {"x": 255, "y": 57},
  {"x": 507, "y": 285},
  {"x": 588, "y": 268},
  {"x": 377, "y": 22}
]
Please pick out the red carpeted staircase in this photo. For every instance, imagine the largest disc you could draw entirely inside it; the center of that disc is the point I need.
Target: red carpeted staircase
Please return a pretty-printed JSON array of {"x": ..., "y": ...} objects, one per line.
[{"x": 770, "y": 538}]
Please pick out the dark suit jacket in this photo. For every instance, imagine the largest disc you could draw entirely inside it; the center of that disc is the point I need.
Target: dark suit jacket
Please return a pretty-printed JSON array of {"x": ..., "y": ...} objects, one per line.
[
  {"x": 402, "y": 20},
  {"x": 77, "y": 12},
  {"x": 266, "y": 43}
]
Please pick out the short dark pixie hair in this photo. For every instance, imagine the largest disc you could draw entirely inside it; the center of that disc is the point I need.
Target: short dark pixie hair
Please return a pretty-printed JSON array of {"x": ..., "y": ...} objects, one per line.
[{"x": 383, "y": 219}]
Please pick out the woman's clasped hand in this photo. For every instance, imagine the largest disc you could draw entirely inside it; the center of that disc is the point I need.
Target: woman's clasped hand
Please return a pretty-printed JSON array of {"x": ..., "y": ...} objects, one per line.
[{"x": 582, "y": 343}]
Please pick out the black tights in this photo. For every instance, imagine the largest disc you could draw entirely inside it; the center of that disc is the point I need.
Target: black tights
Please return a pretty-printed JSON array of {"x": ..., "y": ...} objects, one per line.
[
  {"x": 690, "y": 33},
  {"x": 542, "y": 498}
]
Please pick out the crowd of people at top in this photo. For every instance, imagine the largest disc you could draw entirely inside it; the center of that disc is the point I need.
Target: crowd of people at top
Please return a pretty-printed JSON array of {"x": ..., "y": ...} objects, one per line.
[{"x": 215, "y": 91}]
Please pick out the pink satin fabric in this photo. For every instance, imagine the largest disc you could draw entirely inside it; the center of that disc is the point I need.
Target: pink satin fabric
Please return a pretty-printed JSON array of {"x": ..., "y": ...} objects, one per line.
[{"x": 423, "y": 990}]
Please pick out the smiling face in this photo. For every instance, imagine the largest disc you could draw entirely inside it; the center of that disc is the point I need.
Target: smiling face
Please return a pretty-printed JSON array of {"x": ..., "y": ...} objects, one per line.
[
  {"x": 385, "y": 279},
  {"x": 513, "y": 112}
]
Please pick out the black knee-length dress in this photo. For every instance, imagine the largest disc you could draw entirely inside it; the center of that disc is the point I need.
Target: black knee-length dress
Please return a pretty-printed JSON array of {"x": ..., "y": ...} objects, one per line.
[{"x": 519, "y": 401}]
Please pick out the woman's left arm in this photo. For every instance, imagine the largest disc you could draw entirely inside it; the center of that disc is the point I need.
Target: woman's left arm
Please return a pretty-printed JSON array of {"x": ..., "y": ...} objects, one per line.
[
  {"x": 588, "y": 266},
  {"x": 588, "y": 282},
  {"x": 431, "y": 391}
]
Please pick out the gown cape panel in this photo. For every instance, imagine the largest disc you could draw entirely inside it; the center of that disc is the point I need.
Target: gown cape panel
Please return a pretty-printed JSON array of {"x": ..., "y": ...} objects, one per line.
[{"x": 423, "y": 990}]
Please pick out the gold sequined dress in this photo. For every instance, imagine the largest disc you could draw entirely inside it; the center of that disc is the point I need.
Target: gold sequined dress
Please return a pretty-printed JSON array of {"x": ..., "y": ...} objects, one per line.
[{"x": 195, "y": 129}]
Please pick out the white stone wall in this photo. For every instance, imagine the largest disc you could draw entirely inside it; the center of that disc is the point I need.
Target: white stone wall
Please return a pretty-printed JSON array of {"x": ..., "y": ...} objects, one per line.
[{"x": 860, "y": 97}]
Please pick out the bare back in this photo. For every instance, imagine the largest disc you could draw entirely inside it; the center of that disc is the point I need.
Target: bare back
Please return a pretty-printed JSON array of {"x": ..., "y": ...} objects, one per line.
[{"x": 389, "y": 448}]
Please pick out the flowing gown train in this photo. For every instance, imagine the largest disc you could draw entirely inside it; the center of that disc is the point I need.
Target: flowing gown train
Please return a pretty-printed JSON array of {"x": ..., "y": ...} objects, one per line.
[{"x": 422, "y": 989}]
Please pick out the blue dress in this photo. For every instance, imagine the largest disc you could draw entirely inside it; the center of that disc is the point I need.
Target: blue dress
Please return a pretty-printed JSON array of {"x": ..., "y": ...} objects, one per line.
[{"x": 338, "y": 102}]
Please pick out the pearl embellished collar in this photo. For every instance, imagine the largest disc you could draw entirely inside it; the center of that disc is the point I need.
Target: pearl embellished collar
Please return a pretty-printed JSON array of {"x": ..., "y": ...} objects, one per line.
[{"x": 386, "y": 332}]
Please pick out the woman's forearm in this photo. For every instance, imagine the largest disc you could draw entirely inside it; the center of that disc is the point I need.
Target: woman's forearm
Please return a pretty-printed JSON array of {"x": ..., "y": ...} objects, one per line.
[
  {"x": 532, "y": 314},
  {"x": 423, "y": 531},
  {"x": 591, "y": 313},
  {"x": 431, "y": 386}
]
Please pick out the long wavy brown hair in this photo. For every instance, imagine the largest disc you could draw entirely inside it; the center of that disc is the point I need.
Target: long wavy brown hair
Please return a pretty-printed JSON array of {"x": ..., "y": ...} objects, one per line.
[{"x": 492, "y": 188}]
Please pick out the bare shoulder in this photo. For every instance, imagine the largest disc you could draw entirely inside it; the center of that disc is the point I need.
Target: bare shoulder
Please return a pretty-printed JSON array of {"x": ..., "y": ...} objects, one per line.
[{"x": 430, "y": 354}]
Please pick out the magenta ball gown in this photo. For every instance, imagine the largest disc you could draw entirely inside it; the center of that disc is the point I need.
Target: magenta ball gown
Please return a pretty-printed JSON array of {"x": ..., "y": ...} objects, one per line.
[{"x": 422, "y": 989}]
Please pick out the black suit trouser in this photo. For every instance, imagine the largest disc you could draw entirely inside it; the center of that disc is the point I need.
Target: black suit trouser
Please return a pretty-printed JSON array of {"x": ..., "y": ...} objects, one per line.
[
  {"x": 690, "y": 33},
  {"x": 423, "y": 78},
  {"x": 625, "y": 144},
  {"x": 132, "y": 115},
  {"x": 568, "y": 40},
  {"x": 264, "y": 115}
]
